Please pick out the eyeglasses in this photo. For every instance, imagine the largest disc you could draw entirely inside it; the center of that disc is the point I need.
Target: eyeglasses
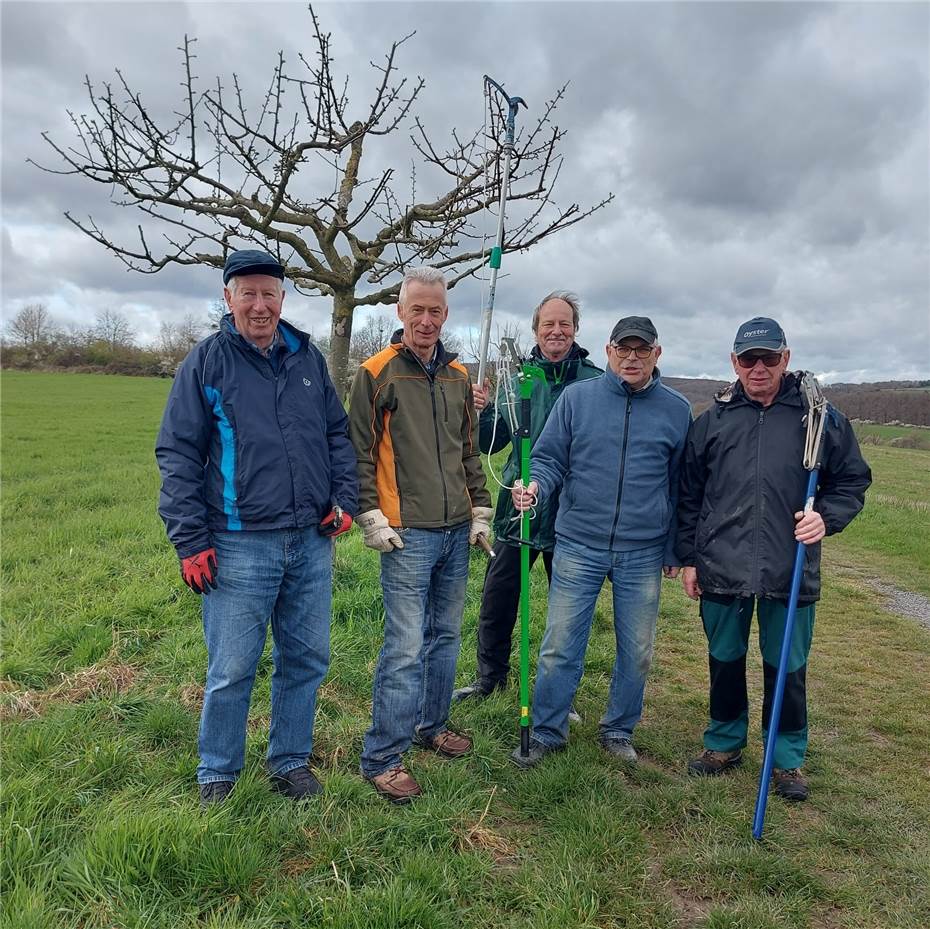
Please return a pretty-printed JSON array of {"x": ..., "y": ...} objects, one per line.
[
  {"x": 641, "y": 351},
  {"x": 769, "y": 359}
]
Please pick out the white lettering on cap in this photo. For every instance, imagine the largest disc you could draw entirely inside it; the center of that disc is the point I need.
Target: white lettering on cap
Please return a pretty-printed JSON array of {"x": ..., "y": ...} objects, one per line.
[{"x": 751, "y": 332}]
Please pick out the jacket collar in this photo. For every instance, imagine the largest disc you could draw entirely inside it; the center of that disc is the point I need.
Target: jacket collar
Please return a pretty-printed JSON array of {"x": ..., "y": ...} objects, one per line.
[
  {"x": 292, "y": 338},
  {"x": 560, "y": 370}
]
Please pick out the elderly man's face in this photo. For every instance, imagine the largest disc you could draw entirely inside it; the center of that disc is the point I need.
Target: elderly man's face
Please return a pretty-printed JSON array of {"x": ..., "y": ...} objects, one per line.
[
  {"x": 255, "y": 303},
  {"x": 625, "y": 361},
  {"x": 760, "y": 381},
  {"x": 555, "y": 329},
  {"x": 422, "y": 313}
]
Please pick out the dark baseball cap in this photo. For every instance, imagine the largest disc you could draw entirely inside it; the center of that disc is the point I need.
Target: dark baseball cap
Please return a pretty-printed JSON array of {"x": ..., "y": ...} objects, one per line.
[
  {"x": 639, "y": 327},
  {"x": 759, "y": 332},
  {"x": 251, "y": 261}
]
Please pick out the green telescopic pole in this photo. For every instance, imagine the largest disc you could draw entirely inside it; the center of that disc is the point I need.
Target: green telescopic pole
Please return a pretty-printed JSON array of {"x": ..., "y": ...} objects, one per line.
[
  {"x": 526, "y": 390},
  {"x": 529, "y": 374}
]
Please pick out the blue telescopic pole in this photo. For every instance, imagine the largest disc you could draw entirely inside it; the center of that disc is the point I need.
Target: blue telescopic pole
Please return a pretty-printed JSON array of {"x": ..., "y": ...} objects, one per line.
[{"x": 775, "y": 716}]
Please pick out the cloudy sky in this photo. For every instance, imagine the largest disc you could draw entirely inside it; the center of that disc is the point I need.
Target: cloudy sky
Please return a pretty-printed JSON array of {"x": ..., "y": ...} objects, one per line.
[{"x": 766, "y": 159}]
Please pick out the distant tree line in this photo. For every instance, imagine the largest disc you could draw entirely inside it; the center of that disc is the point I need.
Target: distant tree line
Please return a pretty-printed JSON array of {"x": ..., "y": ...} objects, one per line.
[
  {"x": 904, "y": 402},
  {"x": 32, "y": 338},
  {"x": 109, "y": 345}
]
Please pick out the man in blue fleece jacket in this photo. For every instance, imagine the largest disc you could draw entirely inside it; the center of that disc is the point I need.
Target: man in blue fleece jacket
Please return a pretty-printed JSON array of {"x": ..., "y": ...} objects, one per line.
[{"x": 610, "y": 450}]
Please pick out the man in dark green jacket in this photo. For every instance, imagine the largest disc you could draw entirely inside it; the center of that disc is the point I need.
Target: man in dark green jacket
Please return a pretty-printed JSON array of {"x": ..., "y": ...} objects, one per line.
[{"x": 555, "y": 323}]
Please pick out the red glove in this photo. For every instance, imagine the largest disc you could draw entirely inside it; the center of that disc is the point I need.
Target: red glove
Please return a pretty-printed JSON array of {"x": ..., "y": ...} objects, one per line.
[
  {"x": 335, "y": 522},
  {"x": 199, "y": 571}
]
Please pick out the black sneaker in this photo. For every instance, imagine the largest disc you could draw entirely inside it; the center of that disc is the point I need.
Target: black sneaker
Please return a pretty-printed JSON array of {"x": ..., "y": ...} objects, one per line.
[
  {"x": 790, "y": 784},
  {"x": 538, "y": 751},
  {"x": 214, "y": 793},
  {"x": 710, "y": 763},
  {"x": 298, "y": 784},
  {"x": 478, "y": 690}
]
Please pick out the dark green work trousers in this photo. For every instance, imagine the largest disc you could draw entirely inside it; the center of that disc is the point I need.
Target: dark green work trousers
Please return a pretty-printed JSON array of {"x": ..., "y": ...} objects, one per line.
[{"x": 726, "y": 625}]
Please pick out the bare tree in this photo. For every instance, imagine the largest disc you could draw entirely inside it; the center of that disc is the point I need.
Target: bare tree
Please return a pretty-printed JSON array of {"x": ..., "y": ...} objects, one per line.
[
  {"x": 374, "y": 335},
  {"x": 31, "y": 326},
  {"x": 114, "y": 329},
  {"x": 218, "y": 310},
  {"x": 177, "y": 339},
  {"x": 221, "y": 175},
  {"x": 510, "y": 329}
]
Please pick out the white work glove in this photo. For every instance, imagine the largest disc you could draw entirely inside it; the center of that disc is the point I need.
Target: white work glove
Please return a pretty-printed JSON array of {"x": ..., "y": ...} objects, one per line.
[
  {"x": 378, "y": 533},
  {"x": 480, "y": 523}
]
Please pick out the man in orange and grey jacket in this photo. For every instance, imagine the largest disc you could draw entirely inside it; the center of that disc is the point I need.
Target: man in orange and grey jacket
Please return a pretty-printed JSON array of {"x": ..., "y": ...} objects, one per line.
[{"x": 422, "y": 500}]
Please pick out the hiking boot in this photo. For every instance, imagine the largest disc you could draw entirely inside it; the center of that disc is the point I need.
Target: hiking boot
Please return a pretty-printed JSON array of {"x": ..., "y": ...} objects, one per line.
[
  {"x": 790, "y": 784},
  {"x": 214, "y": 793},
  {"x": 538, "y": 751},
  {"x": 298, "y": 784},
  {"x": 574, "y": 717},
  {"x": 396, "y": 785},
  {"x": 620, "y": 748},
  {"x": 710, "y": 763},
  {"x": 477, "y": 689},
  {"x": 449, "y": 744}
]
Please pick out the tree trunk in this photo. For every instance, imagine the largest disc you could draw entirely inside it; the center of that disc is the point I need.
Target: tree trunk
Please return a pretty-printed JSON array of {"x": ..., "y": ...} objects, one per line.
[{"x": 340, "y": 337}]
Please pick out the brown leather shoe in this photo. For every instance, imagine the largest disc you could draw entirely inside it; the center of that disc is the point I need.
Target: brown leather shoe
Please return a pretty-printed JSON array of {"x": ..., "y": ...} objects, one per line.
[
  {"x": 396, "y": 785},
  {"x": 450, "y": 744}
]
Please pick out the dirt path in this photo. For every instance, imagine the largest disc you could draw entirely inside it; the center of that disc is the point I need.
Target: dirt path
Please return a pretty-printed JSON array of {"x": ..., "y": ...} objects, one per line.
[{"x": 896, "y": 600}]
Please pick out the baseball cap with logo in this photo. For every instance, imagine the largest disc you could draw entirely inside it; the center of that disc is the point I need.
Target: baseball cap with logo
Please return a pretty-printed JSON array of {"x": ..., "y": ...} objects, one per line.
[
  {"x": 251, "y": 261},
  {"x": 759, "y": 332},
  {"x": 634, "y": 327}
]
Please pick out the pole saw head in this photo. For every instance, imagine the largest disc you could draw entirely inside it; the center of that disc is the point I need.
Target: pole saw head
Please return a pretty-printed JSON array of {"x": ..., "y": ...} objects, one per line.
[
  {"x": 513, "y": 104},
  {"x": 815, "y": 419}
]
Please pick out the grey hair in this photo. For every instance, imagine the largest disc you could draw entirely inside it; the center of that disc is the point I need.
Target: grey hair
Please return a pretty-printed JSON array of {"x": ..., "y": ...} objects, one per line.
[
  {"x": 233, "y": 284},
  {"x": 568, "y": 297},
  {"x": 425, "y": 275}
]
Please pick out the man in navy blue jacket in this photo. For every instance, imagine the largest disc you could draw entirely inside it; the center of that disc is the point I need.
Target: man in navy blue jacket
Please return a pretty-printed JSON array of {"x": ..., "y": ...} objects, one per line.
[
  {"x": 610, "y": 450},
  {"x": 258, "y": 477}
]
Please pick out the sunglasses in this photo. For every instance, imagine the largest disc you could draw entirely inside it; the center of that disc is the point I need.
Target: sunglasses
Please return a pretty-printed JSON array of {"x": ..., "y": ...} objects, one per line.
[
  {"x": 624, "y": 351},
  {"x": 769, "y": 359}
]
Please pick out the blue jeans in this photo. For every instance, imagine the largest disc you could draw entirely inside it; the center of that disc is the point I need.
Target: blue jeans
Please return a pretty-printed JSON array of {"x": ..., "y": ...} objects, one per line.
[
  {"x": 578, "y": 573},
  {"x": 424, "y": 596},
  {"x": 284, "y": 575}
]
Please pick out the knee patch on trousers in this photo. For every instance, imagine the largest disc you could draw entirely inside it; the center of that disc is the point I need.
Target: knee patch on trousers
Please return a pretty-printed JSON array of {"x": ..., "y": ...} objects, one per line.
[
  {"x": 794, "y": 703},
  {"x": 727, "y": 689}
]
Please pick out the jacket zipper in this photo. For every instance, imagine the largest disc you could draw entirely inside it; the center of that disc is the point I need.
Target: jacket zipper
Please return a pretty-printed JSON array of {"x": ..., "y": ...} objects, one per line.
[
  {"x": 626, "y": 436},
  {"x": 755, "y": 536}
]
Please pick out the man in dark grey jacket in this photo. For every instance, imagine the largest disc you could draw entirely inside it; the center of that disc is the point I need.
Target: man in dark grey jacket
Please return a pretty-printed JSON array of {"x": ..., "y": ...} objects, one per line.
[{"x": 739, "y": 522}]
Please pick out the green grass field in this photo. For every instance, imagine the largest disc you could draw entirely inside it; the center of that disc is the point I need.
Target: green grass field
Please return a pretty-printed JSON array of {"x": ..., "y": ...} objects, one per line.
[{"x": 102, "y": 669}]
